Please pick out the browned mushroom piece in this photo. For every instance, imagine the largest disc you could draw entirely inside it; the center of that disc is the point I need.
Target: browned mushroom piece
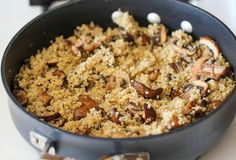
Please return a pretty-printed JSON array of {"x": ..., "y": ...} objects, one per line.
[
  {"x": 202, "y": 85},
  {"x": 52, "y": 63},
  {"x": 211, "y": 44},
  {"x": 215, "y": 72},
  {"x": 83, "y": 131},
  {"x": 91, "y": 47},
  {"x": 145, "y": 38},
  {"x": 59, "y": 73},
  {"x": 163, "y": 34},
  {"x": 203, "y": 102},
  {"x": 80, "y": 112},
  {"x": 175, "y": 122},
  {"x": 87, "y": 104},
  {"x": 20, "y": 96},
  {"x": 49, "y": 116},
  {"x": 114, "y": 115},
  {"x": 154, "y": 75},
  {"x": 198, "y": 66},
  {"x": 149, "y": 114},
  {"x": 145, "y": 91},
  {"x": 44, "y": 97},
  {"x": 134, "y": 110},
  {"x": 86, "y": 47},
  {"x": 220, "y": 71},
  {"x": 188, "y": 50},
  {"x": 215, "y": 104},
  {"x": 127, "y": 37},
  {"x": 177, "y": 67},
  {"x": 188, "y": 108},
  {"x": 161, "y": 37},
  {"x": 59, "y": 122},
  {"x": 103, "y": 113}
]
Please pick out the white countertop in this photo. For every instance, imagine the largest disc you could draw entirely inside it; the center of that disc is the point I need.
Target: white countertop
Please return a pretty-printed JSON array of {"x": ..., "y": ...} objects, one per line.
[{"x": 15, "y": 13}]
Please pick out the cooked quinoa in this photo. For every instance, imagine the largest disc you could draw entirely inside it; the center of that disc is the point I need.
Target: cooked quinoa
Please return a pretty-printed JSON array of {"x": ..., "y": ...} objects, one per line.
[{"x": 128, "y": 81}]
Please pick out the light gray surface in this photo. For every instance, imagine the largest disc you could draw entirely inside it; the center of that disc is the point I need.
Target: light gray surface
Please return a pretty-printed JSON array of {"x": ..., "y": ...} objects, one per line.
[{"x": 15, "y": 13}]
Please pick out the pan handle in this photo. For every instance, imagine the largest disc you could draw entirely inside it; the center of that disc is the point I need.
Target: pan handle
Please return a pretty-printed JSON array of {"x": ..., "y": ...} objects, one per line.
[
  {"x": 128, "y": 156},
  {"x": 46, "y": 146},
  {"x": 48, "y": 151}
]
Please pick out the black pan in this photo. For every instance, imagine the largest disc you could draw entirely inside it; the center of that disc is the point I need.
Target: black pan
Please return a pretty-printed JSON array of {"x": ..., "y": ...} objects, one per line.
[{"x": 185, "y": 143}]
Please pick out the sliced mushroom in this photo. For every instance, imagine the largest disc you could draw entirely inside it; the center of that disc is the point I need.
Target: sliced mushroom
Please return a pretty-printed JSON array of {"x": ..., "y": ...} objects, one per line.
[
  {"x": 163, "y": 34},
  {"x": 59, "y": 73},
  {"x": 127, "y": 37},
  {"x": 154, "y": 75},
  {"x": 83, "y": 131},
  {"x": 44, "y": 97},
  {"x": 103, "y": 113},
  {"x": 188, "y": 108},
  {"x": 149, "y": 114},
  {"x": 52, "y": 63},
  {"x": 198, "y": 66},
  {"x": 58, "y": 122},
  {"x": 175, "y": 122},
  {"x": 114, "y": 115},
  {"x": 20, "y": 96},
  {"x": 49, "y": 116},
  {"x": 219, "y": 71},
  {"x": 161, "y": 38},
  {"x": 214, "y": 71},
  {"x": 203, "y": 86},
  {"x": 145, "y": 39},
  {"x": 87, "y": 104},
  {"x": 87, "y": 101},
  {"x": 134, "y": 110},
  {"x": 145, "y": 91},
  {"x": 177, "y": 67},
  {"x": 189, "y": 50},
  {"x": 91, "y": 47},
  {"x": 215, "y": 104},
  {"x": 187, "y": 94},
  {"x": 204, "y": 102},
  {"x": 211, "y": 44},
  {"x": 87, "y": 47}
]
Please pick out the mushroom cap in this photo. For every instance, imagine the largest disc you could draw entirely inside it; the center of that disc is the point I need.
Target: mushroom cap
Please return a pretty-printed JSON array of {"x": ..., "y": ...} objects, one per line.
[
  {"x": 211, "y": 44},
  {"x": 197, "y": 83},
  {"x": 201, "y": 84}
]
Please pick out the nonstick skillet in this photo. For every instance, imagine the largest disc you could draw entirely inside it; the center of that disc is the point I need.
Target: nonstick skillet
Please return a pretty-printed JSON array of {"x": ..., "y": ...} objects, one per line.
[{"x": 186, "y": 143}]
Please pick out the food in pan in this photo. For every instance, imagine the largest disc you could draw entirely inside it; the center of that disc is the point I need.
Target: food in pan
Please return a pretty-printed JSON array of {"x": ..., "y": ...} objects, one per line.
[{"x": 127, "y": 81}]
